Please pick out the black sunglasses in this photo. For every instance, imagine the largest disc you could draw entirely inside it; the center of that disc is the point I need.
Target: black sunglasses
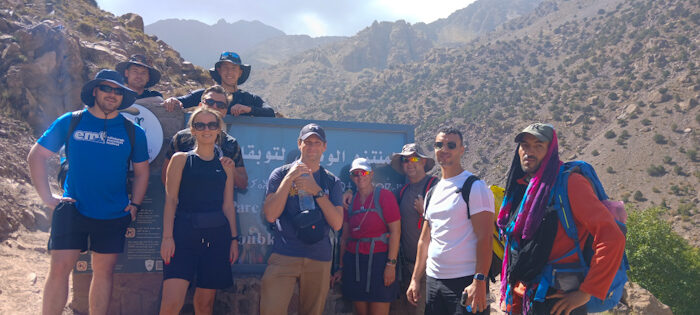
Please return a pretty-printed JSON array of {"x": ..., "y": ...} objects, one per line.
[
  {"x": 212, "y": 125},
  {"x": 109, "y": 89},
  {"x": 217, "y": 104},
  {"x": 450, "y": 145}
]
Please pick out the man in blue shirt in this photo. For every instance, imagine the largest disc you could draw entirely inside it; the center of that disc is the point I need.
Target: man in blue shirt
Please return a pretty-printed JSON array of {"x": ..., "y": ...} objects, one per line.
[
  {"x": 229, "y": 72},
  {"x": 301, "y": 250},
  {"x": 139, "y": 75},
  {"x": 95, "y": 209}
]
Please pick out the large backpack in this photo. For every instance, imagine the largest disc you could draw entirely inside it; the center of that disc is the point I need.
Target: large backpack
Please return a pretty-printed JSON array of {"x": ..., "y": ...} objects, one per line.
[
  {"x": 432, "y": 180},
  {"x": 372, "y": 240},
  {"x": 498, "y": 241},
  {"x": 76, "y": 116},
  {"x": 563, "y": 207}
]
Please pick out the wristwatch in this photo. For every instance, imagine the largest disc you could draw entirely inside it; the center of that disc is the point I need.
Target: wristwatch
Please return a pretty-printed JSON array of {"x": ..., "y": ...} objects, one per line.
[
  {"x": 236, "y": 238},
  {"x": 479, "y": 276},
  {"x": 138, "y": 206},
  {"x": 320, "y": 194},
  {"x": 391, "y": 262}
]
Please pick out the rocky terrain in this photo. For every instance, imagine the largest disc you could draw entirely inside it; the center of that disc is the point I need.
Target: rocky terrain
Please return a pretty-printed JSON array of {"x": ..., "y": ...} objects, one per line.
[{"x": 618, "y": 79}]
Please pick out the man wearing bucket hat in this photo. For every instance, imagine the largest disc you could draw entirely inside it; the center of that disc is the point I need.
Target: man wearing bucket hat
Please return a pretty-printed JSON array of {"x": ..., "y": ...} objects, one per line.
[
  {"x": 139, "y": 75},
  {"x": 229, "y": 72},
  {"x": 95, "y": 208},
  {"x": 413, "y": 163},
  {"x": 303, "y": 202}
]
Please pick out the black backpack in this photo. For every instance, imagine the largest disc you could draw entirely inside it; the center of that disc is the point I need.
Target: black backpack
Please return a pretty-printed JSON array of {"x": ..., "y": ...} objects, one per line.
[
  {"x": 496, "y": 261},
  {"x": 76, "y": 116}
]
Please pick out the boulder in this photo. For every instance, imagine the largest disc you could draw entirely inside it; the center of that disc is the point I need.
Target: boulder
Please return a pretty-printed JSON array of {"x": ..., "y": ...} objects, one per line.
[
  {"x": 11, "y": 52},
  {"x": 637, "y": 300},
  {"x": 133, "y": 20}
]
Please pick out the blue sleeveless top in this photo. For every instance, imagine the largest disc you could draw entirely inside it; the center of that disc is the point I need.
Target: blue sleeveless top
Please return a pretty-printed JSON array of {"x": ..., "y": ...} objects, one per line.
[{"x": 202, "y": 185}]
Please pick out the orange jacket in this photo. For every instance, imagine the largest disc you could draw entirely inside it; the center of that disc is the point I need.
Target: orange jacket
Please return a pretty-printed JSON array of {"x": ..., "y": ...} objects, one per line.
[{"x": 591, "y": 218}]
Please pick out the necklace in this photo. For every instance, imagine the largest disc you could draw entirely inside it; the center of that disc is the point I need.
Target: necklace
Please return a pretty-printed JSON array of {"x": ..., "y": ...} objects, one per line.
[{"x": 362, "y": 208}]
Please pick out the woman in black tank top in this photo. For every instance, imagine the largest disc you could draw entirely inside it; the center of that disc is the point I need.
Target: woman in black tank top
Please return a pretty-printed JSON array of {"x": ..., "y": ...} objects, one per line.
[{"x": 200, "y": 241}]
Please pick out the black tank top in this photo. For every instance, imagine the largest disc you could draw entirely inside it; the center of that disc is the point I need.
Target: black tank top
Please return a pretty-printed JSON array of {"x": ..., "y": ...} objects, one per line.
[{"x": 202, "y": 185}]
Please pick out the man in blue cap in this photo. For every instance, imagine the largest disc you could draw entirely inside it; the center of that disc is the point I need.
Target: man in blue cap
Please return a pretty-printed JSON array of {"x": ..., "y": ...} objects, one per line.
[
  {"x": 95, "y": 208},
  {"x": 229, "y": 72}
]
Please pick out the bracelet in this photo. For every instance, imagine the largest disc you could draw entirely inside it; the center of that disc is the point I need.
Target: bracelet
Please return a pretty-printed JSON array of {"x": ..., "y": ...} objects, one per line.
[
  {"x": 390, "y": 265},
  {"x": 138, "y": 206},
  {"x": 236, "y": 238}
]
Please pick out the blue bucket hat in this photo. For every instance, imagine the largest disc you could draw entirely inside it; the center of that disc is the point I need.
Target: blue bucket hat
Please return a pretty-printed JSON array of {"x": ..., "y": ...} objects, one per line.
[
  {"x": 112, "y": 76},
  {"x": 235, "y": 59}
]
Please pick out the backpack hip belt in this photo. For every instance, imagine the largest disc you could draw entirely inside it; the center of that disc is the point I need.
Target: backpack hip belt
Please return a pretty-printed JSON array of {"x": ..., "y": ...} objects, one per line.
[{"x": 372, "y": 240}]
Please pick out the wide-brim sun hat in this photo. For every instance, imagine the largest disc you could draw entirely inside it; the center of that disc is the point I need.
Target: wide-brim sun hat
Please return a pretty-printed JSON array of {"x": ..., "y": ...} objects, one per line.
[
  {"x": 140, "y": 60},
  {"x": 235, "y": 59},
  {"x": 110, "y": 76},
  {"x": 408, "y": 150}
]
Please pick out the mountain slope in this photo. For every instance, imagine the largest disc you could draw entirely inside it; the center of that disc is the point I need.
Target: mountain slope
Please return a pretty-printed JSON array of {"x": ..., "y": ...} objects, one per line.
[
  {"x": 201, "y": 43},
  {"x": 619, "y": 80}
]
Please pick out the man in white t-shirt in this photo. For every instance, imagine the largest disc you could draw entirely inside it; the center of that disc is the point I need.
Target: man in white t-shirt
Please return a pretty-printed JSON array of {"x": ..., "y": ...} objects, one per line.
[{"x": 454, "y": 250}]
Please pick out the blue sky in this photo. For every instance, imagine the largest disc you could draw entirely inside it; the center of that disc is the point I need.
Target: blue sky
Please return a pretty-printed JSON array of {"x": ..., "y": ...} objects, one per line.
[{"x": 311, "y": 17}]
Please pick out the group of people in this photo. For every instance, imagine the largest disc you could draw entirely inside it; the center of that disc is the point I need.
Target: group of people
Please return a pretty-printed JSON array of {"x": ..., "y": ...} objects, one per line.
[{"x": 423, "y": 249}]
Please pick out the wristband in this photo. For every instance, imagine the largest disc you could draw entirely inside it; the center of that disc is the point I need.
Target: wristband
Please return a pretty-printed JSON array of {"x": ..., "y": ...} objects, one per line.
[
  {"x": 236, "y": 238},
  {"x": 138, "y": 206}
]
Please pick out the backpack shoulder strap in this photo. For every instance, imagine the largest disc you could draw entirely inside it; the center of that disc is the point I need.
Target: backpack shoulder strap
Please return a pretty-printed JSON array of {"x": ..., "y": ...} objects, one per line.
[
  {"x": 429, "y": 184},
  {"x": 377, "y": 205},
  {"x": 428, "y": 195},
  {"x": 131, "y": 133},
  {"x": 75, "y": 118},
  {"x": 466, "y": 190},
  {"x": 402, "y": 191}
]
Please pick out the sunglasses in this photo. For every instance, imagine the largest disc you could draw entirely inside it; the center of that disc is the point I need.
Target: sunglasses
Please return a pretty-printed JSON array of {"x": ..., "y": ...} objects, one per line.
[
  {"x": 359, "y": 173},
  {"x": 212, "y": 125},
  {"x": 450, "y": 145},
  {"x": 229, "y": 54},
  {"x": 109, "y": 89},
  {"x": 217, "y": 104},
  {"x": 406, "y": 159}
]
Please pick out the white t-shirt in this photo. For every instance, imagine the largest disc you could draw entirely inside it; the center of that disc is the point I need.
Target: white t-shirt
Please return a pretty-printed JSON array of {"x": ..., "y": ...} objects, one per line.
[{"x": 452, "y": 249}]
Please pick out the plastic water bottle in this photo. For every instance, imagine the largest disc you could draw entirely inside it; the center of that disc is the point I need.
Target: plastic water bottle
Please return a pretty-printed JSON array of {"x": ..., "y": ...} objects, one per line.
[{"x": 306, "y": 200}]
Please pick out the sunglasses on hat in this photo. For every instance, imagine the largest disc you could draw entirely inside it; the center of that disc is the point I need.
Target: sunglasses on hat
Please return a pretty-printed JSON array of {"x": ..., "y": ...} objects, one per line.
[
  {"x": 109, "y": 89},
  {"x": 450, "y": 145},
  {"x": 359, "y": 173},
  {"x": 406, "y": 159},
  {"x": 227, "y": 54},
  {"x": 212, "y": 125},
  {"x": 217, "y": 104}
]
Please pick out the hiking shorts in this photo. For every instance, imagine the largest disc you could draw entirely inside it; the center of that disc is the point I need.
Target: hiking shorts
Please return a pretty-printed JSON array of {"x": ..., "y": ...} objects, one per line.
[
  {"x": 70, "y": 229},
  {"x": 201, "y": 255}
]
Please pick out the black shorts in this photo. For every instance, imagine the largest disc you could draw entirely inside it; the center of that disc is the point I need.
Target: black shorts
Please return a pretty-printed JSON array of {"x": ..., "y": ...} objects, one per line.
[
  {"x": 201, "y": 255},
  {"x": 72, "y": 230},
  {"x": 443, "y": 296},
  {"x": 357, "y": 290}
]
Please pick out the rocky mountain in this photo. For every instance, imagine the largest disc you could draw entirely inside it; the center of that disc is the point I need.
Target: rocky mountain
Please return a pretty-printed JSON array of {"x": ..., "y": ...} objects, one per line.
[
  {"x": 186, "y": 37},
  {"x": 618, "y": 78},
  {"x": 278, "y": 49},
  {"x": 50, "y": 48}
]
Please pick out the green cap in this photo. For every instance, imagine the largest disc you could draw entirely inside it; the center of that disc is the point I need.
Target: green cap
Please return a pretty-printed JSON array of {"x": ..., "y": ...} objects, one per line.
[{"x": 544, "y": 132}]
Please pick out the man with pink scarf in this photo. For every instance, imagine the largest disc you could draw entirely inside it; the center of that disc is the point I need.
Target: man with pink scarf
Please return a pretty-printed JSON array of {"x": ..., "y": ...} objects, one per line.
[{"x": 534, "y": 235}]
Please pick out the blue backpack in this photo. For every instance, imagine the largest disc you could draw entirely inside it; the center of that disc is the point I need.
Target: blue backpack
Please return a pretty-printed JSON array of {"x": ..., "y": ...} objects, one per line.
[{"x": 579, "y": 270}]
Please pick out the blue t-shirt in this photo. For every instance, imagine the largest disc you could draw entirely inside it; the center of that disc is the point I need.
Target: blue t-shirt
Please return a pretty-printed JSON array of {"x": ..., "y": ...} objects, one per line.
[
  {"x": 99, "y": 156},
  {"x": 286, "y": 243}
]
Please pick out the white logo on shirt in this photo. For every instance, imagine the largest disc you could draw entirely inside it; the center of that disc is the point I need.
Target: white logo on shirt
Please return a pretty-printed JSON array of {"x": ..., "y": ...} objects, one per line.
[{"x": 97, "y": 137}]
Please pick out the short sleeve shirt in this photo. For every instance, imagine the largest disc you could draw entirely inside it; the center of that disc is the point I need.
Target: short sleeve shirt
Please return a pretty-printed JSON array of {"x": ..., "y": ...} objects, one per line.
[
  {"x": 183, "y": 141},
  {"x": 98, "y": 158},
  {"x": 286, "y": 242},
  {"x": 452, "y": 249},
  {"x": 369, "y": 224}
]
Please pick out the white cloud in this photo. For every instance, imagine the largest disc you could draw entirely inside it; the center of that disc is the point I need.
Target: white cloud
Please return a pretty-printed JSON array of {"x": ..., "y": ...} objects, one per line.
[{"x": 311, "y": 24}]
